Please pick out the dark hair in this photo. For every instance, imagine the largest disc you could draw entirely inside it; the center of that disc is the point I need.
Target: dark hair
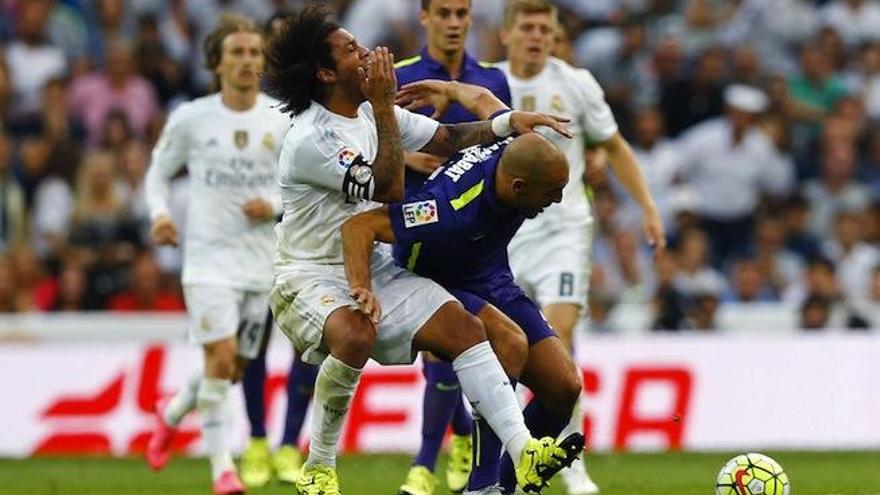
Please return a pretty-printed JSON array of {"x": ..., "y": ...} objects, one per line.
[
  {"x": 426, "y": 4},
  {"x": 296, "y": 54},
  {"x": 213, "y": 46}
]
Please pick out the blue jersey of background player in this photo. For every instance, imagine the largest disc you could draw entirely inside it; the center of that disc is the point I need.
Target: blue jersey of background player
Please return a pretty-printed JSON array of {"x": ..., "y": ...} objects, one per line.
[
  {"x": 470, "y": 71},
  {"x": 455, "y": 230}
]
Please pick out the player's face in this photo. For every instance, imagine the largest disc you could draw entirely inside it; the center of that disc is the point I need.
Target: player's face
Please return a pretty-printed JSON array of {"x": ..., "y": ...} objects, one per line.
[
  {"x": 348, "y": 55},
  {"x": 533, "y": 198},
  {"x": 530, "y": 39},
  {"x": 446, "y": 24},
  {"x": 241, "y": 61}
]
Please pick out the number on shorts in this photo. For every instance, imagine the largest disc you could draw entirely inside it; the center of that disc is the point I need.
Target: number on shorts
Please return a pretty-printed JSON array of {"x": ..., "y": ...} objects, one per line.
[
  {"x": 249, "y": 334},
  {"x": 566, "y": 284}
]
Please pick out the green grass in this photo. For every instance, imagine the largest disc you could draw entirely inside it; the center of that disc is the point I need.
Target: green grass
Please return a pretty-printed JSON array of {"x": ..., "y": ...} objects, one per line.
[{"x": 812, "y": 473}]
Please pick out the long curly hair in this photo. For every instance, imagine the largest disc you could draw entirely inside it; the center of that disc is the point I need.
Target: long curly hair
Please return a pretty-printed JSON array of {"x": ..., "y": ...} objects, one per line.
[{"x": 295, "y": 54}]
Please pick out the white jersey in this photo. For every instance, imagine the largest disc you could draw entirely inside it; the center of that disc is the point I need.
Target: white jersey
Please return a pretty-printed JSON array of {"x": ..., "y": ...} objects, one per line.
[
  {"x": 231, "y": 158},
  {"x": 326, "y": 177},
  {"x": 561, "y": 89}
]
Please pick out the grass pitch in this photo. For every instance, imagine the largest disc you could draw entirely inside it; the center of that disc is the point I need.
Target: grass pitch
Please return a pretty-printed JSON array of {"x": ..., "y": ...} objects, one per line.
[{"x": 812, "y": 473}]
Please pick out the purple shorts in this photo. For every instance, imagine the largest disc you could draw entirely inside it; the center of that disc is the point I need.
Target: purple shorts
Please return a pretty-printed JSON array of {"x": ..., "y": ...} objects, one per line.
[{"x": 520, "y": 309}]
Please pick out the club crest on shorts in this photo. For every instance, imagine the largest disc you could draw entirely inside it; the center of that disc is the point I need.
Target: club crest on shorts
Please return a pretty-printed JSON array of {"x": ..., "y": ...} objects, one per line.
[
  {"x": 328, "y": 300},
  {"x": 241, "y": 139},
  {"x": 269, "y": 141},
  {"x": 420, "y": 213}
]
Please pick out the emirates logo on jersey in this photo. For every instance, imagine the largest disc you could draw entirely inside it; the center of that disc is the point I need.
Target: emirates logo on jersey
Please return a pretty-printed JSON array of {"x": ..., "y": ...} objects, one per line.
[{"x": 241, "y": 139}]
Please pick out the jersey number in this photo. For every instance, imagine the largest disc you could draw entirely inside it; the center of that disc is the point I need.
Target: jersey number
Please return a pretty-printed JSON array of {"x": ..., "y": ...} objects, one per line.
[{"x": 566, "y": 284}]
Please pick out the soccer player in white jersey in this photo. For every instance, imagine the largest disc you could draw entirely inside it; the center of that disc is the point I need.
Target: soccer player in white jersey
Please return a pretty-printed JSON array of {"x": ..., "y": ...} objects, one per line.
[
  {"x": 230, "y": 142},
  {"x": 345, "y": 151},
  {"x": 550, "y": 254}
]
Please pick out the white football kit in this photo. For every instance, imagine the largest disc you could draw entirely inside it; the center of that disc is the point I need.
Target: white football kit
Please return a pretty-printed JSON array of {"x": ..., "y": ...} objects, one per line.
[
  {"x": 231, "y": 158},
  {"x": 550, "y": 255},
  {"x": 326, "y": 177}
]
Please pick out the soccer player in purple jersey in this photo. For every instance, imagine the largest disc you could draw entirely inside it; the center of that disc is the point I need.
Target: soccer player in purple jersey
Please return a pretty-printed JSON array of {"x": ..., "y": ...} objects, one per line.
[{"x": 456, "y": 231}]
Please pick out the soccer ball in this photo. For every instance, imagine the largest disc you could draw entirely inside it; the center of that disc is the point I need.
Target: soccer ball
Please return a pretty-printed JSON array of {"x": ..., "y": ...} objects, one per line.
[{"x": 752, "y": 474}]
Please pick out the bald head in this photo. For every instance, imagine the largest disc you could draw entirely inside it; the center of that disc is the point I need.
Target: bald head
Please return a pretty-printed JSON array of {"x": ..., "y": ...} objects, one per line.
[{"x": 531, "y": 174}]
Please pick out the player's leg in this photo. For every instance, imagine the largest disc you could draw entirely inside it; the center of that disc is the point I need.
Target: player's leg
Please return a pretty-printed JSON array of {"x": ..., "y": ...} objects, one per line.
[
  {"x": 456, "y": 335},
  {"x": 288, "y": 459},
  {"x": 170, "y": 412},
  {"x": 256, "y": 469},
  {"x": 561, "y": 287},
  {"x": 315, "y": 310},
  {"x": 220, "y": 367}
]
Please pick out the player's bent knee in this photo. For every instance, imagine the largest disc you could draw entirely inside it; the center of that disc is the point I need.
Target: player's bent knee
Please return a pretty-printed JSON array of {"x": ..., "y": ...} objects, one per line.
[
  {"x": 221, "y": 359},
  {"x": 512, "y": 349},
  {"x": 350, "y": 336},
  {"x": 565, "y": 394}
]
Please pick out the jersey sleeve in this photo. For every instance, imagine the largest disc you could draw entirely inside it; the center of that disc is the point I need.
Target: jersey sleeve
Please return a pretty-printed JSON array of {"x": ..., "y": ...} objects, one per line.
[
  {"x": 416, "y": 130},
  {"x": 321, "y": 158},
  {"x": 169, "y": 156},
  {"x": 598, "y": 120}
]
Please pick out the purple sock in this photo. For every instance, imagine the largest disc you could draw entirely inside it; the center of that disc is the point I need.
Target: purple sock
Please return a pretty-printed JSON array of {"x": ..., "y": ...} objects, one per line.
[
  {"x": 541, "y": 423},
  {"x": 300, "y": 387},
  {"x": 461, "y": 419},
  {"x": 253, "y": 382},
  {"x": 442, "y": 391},
  {"x": 487, "y": 456}
]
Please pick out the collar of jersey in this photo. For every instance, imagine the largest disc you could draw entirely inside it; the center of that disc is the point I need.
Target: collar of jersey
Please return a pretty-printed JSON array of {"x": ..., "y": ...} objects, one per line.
[{"x": 467, "y": 64}]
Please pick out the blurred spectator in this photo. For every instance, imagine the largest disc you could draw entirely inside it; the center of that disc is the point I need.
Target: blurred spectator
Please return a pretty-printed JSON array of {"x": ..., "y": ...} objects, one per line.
[
  {"x": 31, "y": 58},
  {"x": 116, "y": 133},
  {"x": 661, "y": 163},
  {"x": 816, "y": 89},
  {"x": 857, "y": 21},
  {"x": 133, "y": 160},
  {"x": 749, "y": 284},
  {"x": 693, "y": 99},
  {"x": 869, "y": 170},
  {"x": 93, "y": 97},
  {"x": 669, "y": 303},
  {"x": 730, "y": 163},
  {"x": 866, "y": 78},
  {"x": 8, "y": 288},
  {"x": 695, "y": 275},
  {"x": 836, "y": 190},
  {"x": 703, "y": 310},
  {"x": 627, "y": 272},
  {"x": 158, "y": 65},
  {"x": 815, "y": 312},
  {"x": 5, "y": 83},
  {"x": 778, "y": 266},
  {"x": 111, "y": 21},
  {"x": 72, "y": 289},
  {"x": 819, "y": 279},
  {"x": 12, "y": 205},
  {"x": 798, "y": 237},
  {"x": 36, "y": 288},
  {"x": 854, "y": 258},
  {"x": 145, "y": 292},
  {"x": 103, "y": 234}
]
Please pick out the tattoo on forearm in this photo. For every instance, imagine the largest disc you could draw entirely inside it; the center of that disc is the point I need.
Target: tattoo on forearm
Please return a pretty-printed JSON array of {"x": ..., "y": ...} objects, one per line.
[
  {"x": 388, "y": 166},
  {"x": 452, "y": 137}
]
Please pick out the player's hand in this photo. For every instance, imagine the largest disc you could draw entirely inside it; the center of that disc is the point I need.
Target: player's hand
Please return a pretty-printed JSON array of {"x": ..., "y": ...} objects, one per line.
[
  {"x": 258, "y": 210},
  {"x": 654, "y": 232},
  {"x": 423, "y": 163},
  {"x": 367, "y": 303},
  {"x": 164, "y": 232},
  {"x": 378, "y": 80},
  {"x": 427, "y": 93},
  {"x": 525, "y": 122}
]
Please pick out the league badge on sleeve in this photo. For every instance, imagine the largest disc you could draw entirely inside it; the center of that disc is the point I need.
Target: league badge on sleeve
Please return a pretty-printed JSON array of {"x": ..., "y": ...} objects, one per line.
[
  {"x": 346, "y": 157},
  {"x": 420, "y": 213}
]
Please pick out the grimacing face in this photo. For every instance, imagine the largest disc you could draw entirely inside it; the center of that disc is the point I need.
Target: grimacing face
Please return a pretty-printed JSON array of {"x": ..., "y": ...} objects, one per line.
[
  {"x": 530, "y": 39},
  {"x": 446, "y": 24},
  {"x": 349, "y": 55},
  {"x": 241, "y": 61}
]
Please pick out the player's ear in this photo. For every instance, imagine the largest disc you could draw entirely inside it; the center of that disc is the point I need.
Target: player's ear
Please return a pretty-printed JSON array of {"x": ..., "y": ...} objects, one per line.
[
  {"x": 518, "y": 185},
  {"x": 326, "y": 76},
  {"x": 423, "y": 17},
  {"x": 504, "y": 34}
]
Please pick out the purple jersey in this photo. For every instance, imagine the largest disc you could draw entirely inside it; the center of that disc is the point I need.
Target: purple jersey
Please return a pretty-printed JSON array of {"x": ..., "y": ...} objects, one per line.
[{"x": 423, "y": 67}]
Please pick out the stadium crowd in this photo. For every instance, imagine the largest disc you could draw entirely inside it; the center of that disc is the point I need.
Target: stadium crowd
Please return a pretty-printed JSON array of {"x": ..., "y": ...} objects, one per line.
[{"x": 757, "y": 132}]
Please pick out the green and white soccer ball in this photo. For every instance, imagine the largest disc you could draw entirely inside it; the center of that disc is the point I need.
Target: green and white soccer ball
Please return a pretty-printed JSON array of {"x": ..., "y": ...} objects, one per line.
[{"x": 752, "y": 474}]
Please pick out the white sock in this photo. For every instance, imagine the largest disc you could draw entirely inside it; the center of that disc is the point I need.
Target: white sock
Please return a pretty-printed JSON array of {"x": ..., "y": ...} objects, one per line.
[
  {"x": 184, "y": 401},
  {"x": 488, "y": 389},
  {"x": 334, "y": 389},
  {"x": 576, "y": 423},
  {"x": 211, "y": 404}
]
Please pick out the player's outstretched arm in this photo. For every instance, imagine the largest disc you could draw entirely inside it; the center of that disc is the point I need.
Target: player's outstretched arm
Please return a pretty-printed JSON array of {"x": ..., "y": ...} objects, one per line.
[
  {"x": 440, "y": 94},
  {"x": 626, "y": 167},
  {"x": 358, "y": 235}
]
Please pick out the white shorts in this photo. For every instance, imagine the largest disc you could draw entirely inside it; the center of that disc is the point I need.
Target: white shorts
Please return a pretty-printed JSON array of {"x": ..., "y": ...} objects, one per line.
[
  {"x": 554, "y": 269},
  {"x": 217, "y": 312},
  {"x": 303, "y": 299}
]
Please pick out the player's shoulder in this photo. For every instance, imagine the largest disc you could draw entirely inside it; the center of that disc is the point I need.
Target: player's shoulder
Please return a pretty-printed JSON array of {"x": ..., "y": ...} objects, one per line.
[
  {"x": 313, "y": 132},
  {"x": 193, "y": 110},
  {"x": 409, "y": 69},
  {"x": 567, "y": 72}
]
